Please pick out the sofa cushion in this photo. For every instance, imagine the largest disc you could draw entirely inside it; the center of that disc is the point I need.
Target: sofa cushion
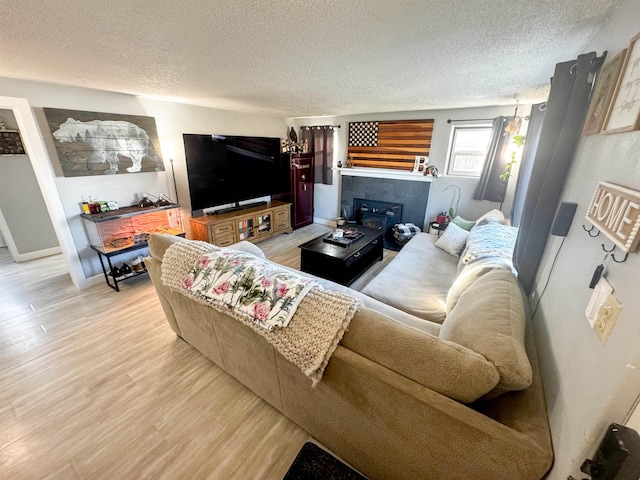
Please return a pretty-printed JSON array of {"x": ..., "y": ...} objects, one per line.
[
  {"x": 396, "y": 315},
  {"x": 463, "y": 224},
  {"x": 453, "y": 239},
  {"x": 489, "y": 319},
  {"x": 416, "y": 280},
  {"x": 472, "y": 272},
  {"x": 492, "y": 216},
  {"x": 446, "y": 367}
]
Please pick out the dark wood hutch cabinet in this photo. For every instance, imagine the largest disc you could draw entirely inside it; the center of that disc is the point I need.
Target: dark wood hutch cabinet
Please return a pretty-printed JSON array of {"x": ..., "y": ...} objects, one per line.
[{"x": 301, "y": 188}]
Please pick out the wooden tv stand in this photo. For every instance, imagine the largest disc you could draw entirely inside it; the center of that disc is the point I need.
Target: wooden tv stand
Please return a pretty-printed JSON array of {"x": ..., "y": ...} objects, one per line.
[{"x": 254, "y": 224}]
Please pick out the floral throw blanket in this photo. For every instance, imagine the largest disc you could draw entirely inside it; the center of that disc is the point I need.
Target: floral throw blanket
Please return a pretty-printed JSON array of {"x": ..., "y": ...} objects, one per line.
[
  {"x": 317, "y": 326},
  {"x": 257, "y": 289}
]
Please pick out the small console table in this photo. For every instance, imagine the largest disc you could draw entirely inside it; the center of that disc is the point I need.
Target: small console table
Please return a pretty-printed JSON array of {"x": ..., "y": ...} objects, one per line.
[{"x": 125, "y": 230}]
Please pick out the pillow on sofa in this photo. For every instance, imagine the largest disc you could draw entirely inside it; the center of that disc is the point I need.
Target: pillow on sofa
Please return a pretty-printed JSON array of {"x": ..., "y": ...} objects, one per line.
[
  {"x": 463, "y": 224},
  {"x": 453, "y": 239},
  {"x": 489, "y": 319},
  {"x": 490, "y": 240},
  {"x": 492, "y": 216}
]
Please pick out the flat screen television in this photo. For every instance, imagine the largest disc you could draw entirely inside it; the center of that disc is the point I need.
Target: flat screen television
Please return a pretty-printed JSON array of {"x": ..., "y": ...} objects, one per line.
[{"x": 224, "y": 169}]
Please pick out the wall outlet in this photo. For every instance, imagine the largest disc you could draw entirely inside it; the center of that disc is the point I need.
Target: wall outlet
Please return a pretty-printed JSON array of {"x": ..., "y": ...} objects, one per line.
[
  {"x": 599, "y": 296},
  {"x": 607, "y": 315}
]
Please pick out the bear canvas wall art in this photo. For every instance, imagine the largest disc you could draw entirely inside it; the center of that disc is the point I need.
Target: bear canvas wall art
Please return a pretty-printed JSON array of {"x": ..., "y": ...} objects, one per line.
[{"x": 92, "y": 143}]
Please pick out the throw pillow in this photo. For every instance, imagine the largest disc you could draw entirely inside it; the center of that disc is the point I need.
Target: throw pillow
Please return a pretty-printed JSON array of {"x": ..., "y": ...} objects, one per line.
[
  {"x": 490, "y": 240},
  {"x": 453, "y": 239},
  {"x": 490, "y": 319},
  {"x": 494, "y": 215},
  {"x": 463, "y": 224}
]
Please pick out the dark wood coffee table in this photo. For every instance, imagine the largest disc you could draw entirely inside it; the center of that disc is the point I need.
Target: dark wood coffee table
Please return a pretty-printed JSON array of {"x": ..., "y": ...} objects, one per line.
[{"x": 342, "y": 264}]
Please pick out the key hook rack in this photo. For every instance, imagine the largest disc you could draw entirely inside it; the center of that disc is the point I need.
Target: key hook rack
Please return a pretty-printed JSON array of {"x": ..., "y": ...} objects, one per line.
[
  {"x": 613, "y": 257},
  {"x": 589, "y": 230}
]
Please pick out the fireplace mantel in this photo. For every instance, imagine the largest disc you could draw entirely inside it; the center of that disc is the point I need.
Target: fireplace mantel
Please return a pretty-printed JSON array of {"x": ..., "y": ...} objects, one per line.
[{"x": 384, "y": 173}]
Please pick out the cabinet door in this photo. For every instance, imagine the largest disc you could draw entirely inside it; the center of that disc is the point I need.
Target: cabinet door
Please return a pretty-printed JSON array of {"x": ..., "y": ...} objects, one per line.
[
  {"x": 281, "y": 218},
  {"x": 245, "y": 228},
  {"x": 199, "y": 231},
  {"x": 303, "y": 196},
  {"x": 264, "y": 223}
]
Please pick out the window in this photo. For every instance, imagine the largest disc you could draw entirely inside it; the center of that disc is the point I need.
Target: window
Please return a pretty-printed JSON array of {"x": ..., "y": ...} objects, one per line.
[{"x": 468, "y": 150}]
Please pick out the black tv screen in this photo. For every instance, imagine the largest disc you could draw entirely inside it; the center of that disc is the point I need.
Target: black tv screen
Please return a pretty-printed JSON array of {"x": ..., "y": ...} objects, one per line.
[{"x": 225, "y": 169}]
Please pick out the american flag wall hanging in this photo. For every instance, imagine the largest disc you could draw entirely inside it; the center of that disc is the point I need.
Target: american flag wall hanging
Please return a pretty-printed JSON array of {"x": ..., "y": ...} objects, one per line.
[{"x": 389, "y": 144}]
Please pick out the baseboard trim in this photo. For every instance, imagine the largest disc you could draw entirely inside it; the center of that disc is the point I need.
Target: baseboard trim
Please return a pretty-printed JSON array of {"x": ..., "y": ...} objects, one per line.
[
  {"x": 95, "y": 280},
  {"x": 322, "y": 221},
  {"x": 47, "y": 252}
]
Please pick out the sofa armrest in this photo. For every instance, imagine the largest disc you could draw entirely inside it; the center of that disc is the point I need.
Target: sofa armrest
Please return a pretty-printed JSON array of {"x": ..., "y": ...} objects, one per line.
[
  {"x": 248, "y": 247},
  {"x": 445, "y": 367},
  {"x": 159, "y": 242}
]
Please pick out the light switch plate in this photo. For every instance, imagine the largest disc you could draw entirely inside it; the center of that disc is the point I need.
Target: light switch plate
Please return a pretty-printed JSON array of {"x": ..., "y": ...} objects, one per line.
[{"x": 599, "y": 296}]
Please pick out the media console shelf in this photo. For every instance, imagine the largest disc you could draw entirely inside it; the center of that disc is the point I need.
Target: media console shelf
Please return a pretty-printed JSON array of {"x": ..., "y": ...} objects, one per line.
[{"x": 253, "y": 225}]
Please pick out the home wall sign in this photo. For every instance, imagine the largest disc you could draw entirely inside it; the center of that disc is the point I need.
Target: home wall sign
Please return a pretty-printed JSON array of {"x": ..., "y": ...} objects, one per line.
[
  {"x": 92, "y": 143},
  {"x": 615, "y": 211},
  {"x": 389, "y": 144}
]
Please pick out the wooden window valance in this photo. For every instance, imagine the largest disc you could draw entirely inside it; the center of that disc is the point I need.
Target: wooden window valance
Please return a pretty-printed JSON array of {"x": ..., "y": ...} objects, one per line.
[{"x": 389, "y": 144}]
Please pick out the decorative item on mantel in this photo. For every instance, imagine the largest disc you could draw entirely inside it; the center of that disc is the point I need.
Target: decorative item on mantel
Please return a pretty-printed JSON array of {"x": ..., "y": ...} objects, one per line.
[
  {"x": 421, "y": 165},
  {"x": 292, "y": 145},
  {"x": 348, "y": 162}
]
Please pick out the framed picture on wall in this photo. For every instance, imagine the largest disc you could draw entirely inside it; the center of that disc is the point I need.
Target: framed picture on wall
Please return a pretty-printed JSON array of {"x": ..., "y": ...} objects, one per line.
[
  {"x": 95, "y": 143},
  {"x": 11, "y": 143},
  {"x": 625, "y": 109},
  {"x": 599, "y": 108}
]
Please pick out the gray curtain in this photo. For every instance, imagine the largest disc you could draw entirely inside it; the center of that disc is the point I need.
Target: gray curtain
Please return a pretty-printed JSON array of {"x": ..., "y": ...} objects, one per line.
[
  {"x": 526, "y": 162},
  {"x": 566, "y": 110},
  {"x": 490, "y": 187},
  {"x": 321, "y": 145}
]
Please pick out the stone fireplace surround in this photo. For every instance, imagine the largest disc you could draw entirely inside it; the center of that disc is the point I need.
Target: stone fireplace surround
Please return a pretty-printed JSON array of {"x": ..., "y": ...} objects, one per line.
[{"x": 412, "y": 195}]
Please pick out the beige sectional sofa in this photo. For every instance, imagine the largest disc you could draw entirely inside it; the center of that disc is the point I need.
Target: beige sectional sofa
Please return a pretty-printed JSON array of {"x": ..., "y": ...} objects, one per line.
[{"x": 402, "y": 397}]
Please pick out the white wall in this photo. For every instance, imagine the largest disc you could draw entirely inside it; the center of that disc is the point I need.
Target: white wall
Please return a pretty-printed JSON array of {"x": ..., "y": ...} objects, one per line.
[
  {"x": 327, "y": 197},
  {"x": 172, "y": 121},
  {"x": 589, "y": 385},
  {"x": 22, "y": 206}
]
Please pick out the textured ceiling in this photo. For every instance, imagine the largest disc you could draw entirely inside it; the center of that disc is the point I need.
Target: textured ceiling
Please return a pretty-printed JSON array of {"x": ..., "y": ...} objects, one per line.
[{"x": 301, "y": 58}]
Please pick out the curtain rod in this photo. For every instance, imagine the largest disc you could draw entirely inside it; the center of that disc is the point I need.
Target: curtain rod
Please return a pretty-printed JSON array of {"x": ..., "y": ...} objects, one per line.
[
  {"x": 479, "y": 119},
  {"x": 319, "y": 126},
  {"x": 471, "y": 120}
]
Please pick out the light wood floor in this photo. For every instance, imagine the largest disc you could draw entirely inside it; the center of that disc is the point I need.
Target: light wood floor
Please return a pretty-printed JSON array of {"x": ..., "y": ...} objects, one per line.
[{"x": 94, "y": 384}]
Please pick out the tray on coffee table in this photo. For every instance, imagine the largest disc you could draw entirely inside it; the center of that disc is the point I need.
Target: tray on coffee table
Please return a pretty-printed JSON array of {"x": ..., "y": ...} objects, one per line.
[{"x": 345, "y": 241}]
